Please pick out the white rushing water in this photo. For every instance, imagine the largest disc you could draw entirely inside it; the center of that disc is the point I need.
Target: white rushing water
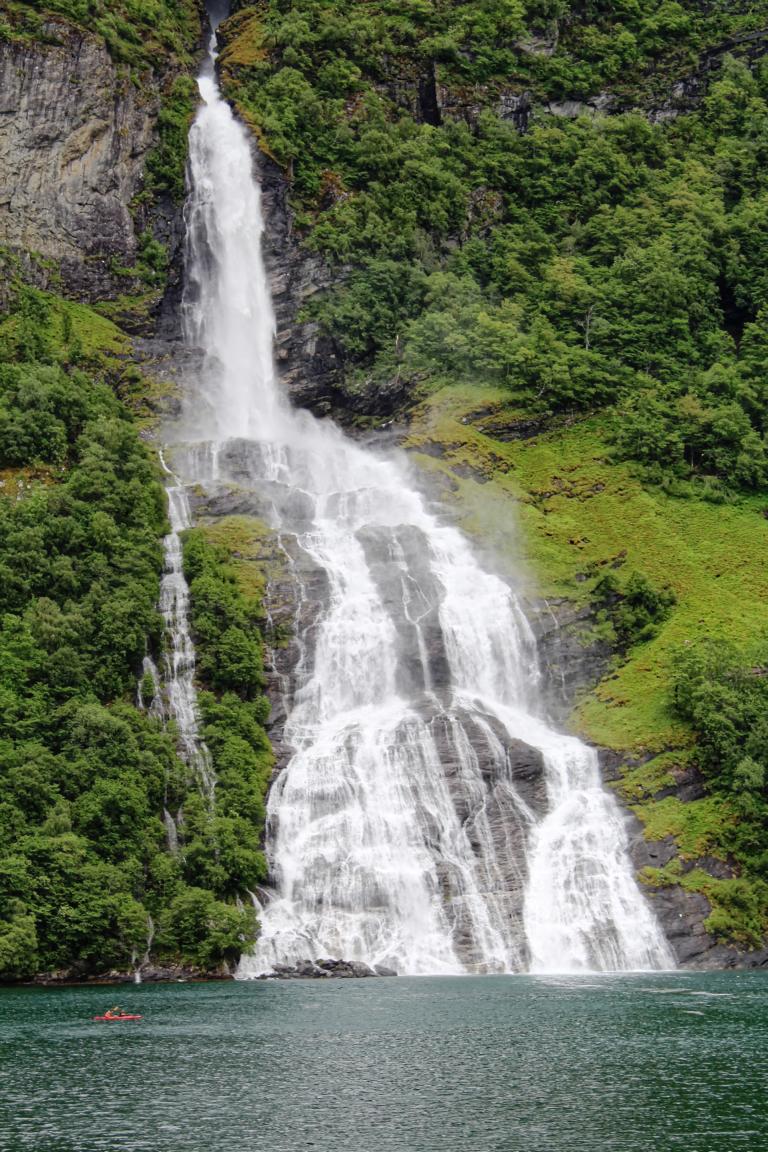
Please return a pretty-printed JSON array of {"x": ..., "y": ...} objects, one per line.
[
  {"x": 428, "y": 818},
  {"x": 179, "y": 650}
]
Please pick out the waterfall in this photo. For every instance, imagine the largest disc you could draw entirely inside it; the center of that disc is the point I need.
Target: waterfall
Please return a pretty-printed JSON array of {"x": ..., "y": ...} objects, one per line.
[
  {"x": 152, "y": 704},
  {"x": 428, "y": 817},
  {"x": 179, "y": 649}
]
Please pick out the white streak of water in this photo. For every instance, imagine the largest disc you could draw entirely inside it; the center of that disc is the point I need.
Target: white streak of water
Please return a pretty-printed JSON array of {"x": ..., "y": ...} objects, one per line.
[{"x": 179, "y": 649}]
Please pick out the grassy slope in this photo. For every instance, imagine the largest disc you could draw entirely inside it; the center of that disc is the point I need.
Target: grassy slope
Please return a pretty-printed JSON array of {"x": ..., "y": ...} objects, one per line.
[
  {"x": 102, "y": 349},
  {"x": 97, "y": 337}
]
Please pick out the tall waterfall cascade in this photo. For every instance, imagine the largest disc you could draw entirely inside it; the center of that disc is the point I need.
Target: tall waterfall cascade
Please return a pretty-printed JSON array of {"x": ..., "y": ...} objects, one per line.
[{"x": 428, "y": 817}]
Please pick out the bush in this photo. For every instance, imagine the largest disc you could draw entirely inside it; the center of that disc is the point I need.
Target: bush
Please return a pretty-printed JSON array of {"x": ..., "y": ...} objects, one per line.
[
  {"x": 723, "y": 695},
  {"x": 633, "y": 607},
  {"x": 205, "y": 930},
  {"x": 230, "y": 664}
]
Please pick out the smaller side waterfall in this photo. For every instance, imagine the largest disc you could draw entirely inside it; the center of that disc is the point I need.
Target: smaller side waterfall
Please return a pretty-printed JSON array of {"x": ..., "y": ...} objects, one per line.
[
  {"x": 150, "y": 701},
  {"x": 582, "y": 909},
  {"x": 179, "y": 654}
]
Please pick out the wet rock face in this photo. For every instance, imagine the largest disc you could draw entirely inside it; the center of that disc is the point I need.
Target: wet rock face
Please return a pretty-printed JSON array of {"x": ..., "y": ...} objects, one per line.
[
  {"x": 410, "y": 592},
  {"x": 74, "y": 136},
  {"x": 497, "y": 786},
  {"x": 568, "y": 665},
  {"x": 512, "y": 796},
  {"x": 324, "y": 969},
  {"x": 307, "y": 360}
]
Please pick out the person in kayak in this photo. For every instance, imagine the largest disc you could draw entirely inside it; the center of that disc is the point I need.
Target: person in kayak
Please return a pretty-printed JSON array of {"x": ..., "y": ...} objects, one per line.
[{"x": 116, "y": 1011}]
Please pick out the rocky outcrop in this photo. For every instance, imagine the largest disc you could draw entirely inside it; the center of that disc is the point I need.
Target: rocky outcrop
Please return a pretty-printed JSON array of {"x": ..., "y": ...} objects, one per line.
[
  {"x": 572, "y": 660},
  {"x": 681, "y": 913},
  {"x": 681, "y": 96},
  {"x": 573, "y": 663},
  {"x": 75, "y": 132},
  {"x": 326, "y": 969}
]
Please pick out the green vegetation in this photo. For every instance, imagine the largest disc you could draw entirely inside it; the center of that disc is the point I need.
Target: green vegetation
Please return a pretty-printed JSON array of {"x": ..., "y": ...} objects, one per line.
[
  {"x": 632, "y": 608},
  {"x": 88, "y": 880},
  {"x": 167, "y": 162},
  {"x": 41, "y": 326},
  {"x": 226, "y": 625},
  {"x": 585, "y": 263},
  {"x": 140, "y": 33},
  {"x": 725, "y": 700},
  {"x": 739, "y": 909}
]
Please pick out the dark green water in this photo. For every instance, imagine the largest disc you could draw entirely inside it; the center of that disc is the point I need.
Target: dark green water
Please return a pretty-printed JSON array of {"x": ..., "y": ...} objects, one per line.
[{"x": 631, "y": 1064}]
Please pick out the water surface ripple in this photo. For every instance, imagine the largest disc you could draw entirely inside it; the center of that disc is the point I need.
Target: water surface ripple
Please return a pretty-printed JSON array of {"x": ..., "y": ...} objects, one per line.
[{"x": 643, "y": 1063}]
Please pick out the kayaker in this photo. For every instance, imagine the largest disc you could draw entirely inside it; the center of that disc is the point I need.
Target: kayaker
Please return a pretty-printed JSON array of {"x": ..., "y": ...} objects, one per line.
[{"x": 116, "y": 1011}]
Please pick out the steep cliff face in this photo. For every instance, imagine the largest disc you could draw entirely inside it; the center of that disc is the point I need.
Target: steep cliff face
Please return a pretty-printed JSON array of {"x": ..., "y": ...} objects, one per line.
[
  {"x": 307, "y": 359},
  {"x": 75, "y": 133}
]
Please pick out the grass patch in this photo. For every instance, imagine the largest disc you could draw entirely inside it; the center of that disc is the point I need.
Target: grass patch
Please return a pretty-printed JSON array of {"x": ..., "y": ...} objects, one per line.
[
  {"x": 251, "y": 547},
  {"x": 58, "y": 330},
  {"x": 648, "y": 779},
  {"x": 132, "y": 309},
  {"x": 244, "y": 45},
  {"x": 698, "y": 826}
]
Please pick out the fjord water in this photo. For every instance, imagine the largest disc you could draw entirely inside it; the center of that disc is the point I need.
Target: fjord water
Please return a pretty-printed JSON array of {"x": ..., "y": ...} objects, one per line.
[
  {"x": 397, "y": 834},
  {"x": 670, "y": 1062}
]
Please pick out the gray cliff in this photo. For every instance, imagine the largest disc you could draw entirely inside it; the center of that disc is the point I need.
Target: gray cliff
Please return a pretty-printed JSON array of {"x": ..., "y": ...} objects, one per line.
[{"x": 75, "y": 133}]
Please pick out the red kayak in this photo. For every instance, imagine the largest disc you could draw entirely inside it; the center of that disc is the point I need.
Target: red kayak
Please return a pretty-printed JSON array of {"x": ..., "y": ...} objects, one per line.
[{"x": 124, "y": 1016}]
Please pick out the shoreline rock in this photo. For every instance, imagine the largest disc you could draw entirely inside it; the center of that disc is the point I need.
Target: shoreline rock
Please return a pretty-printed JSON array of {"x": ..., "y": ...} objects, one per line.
[{"x": 327, "y": 970}]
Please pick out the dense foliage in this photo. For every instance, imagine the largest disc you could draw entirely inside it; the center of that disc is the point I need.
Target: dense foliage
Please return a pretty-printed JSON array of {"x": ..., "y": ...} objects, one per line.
[
  {"x": 632, "y": 608},
  {"x": 166, "y": 164},
  {"x": 725, "y": 700},
  {"x": 87, "y": 877},
  {"x": 230, "y": 665},
  {"x": 585, "y": 262},
  {"x": 140, "y": 33}
]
